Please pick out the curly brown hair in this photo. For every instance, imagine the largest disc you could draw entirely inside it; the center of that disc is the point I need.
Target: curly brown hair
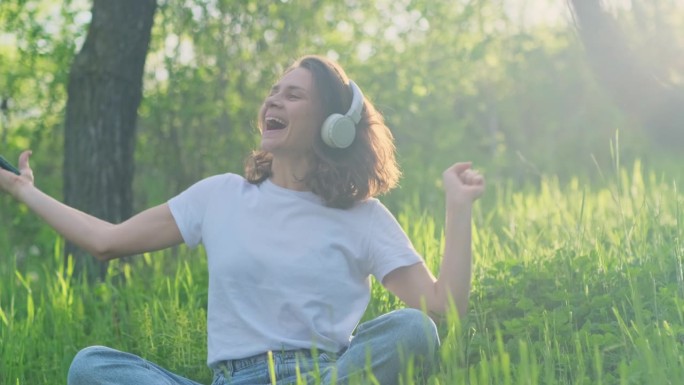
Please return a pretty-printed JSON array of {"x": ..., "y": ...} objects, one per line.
[{"x": 365, "y": 169}]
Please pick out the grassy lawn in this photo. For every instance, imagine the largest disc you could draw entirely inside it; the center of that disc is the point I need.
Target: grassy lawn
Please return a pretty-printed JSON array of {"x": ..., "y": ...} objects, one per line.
[{"x": 572, "y": 284}]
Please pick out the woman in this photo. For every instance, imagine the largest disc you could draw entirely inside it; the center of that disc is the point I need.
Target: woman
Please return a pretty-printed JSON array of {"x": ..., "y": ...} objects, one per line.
[{"x": 291, "y": 246}]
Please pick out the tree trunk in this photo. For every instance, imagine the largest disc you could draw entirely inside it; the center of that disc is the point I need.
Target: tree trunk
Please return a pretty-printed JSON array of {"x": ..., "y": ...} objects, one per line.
[
  {"x": 104, "y": 92},
  {"x": 636, "y": 88}
]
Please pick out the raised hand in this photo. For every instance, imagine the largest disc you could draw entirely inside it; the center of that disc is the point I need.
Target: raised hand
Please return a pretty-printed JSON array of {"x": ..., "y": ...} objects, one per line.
[
  {"x": 462, "y": 184},
  {"x": 10, "y": 182}
]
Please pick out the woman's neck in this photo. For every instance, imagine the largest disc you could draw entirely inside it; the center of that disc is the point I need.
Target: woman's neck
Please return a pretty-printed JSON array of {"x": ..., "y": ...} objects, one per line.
[{"x": 290, "y": 173}]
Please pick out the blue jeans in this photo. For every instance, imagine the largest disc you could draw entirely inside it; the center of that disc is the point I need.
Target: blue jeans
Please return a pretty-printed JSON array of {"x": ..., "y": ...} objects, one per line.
[{"x": 381, "y": 348}]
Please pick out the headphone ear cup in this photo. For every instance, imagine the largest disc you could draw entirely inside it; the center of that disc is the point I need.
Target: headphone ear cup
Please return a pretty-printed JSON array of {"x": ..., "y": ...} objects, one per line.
[{"x": 338, "y": 131}]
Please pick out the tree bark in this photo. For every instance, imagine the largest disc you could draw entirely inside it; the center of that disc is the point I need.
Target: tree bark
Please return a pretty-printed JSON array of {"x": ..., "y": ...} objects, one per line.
[{"x": 104, "y": 92}]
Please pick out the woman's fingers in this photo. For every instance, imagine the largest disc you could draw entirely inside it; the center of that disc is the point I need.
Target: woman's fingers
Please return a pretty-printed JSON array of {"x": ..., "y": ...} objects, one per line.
[
  {"x": 24, "y": 166},
  {"x": 471, "y": 177},
  {"x": 24, "y": 160}
]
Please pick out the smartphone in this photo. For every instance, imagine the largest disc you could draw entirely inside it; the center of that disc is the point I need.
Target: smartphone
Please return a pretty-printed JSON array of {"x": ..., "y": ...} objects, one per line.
[{"x": 7, "y": 166}]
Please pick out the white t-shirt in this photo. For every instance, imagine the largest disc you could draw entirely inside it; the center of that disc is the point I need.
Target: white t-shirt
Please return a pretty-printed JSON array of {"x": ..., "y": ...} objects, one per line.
[{"x": 285, "y": 271}]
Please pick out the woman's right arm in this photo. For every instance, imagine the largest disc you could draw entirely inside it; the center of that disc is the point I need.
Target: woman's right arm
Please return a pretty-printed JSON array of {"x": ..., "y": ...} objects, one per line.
[{"x": 150, "y": 230}]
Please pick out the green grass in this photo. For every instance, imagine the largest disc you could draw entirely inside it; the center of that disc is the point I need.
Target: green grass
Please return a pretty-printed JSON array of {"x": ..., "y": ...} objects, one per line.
[{"x": 572, "y": 284}]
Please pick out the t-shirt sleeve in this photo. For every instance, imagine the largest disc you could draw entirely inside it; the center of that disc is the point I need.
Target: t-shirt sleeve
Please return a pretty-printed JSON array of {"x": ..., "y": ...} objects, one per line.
[
  {"x": 190, "y": 206},
  {"x": 390, "y": 248}
]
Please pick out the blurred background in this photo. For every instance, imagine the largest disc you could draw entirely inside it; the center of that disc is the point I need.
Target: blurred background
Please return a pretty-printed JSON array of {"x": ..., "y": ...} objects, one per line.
[{"x": 526, "y": 89}]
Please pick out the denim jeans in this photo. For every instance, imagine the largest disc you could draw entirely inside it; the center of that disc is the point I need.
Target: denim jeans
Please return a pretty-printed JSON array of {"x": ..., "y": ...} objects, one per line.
[{"x": 380, "y": 349}]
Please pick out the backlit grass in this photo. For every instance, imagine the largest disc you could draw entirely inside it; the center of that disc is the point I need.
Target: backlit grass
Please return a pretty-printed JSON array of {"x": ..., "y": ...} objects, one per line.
[{"x": 572, "y": 284}]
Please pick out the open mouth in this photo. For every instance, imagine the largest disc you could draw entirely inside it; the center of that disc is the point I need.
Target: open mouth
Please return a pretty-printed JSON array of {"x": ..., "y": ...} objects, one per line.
[{"x": 275, "y": 124}]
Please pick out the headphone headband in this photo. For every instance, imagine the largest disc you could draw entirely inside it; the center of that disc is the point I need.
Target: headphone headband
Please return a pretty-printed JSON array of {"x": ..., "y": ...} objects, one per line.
[{"x": 357, "y": 103}]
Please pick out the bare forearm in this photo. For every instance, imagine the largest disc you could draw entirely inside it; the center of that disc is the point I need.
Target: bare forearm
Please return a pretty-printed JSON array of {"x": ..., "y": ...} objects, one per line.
[
  {"x": 454, "y": 280},
  {"x": 415, "y": 284},
  {"x": 78, "y": 227},
  {"x": 152, "y": 229}
]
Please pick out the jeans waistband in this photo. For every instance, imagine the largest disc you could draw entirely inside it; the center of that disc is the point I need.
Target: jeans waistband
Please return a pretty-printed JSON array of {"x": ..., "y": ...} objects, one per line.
[{"x": 232, "y": 366}]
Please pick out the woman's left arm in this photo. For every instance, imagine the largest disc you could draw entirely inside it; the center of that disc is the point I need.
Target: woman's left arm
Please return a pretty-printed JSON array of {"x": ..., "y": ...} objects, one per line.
[{"x": 415, "y": 285}]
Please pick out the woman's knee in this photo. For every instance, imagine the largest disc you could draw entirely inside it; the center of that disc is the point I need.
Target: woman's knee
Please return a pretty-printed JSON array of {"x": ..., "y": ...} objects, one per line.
[
  {"x": 418, "y": 331},
  {"x": 85, "y": 365}
]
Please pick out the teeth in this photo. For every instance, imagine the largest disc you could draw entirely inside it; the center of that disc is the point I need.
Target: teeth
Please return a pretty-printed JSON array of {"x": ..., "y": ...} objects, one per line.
[{"x": 272, "y": 119}]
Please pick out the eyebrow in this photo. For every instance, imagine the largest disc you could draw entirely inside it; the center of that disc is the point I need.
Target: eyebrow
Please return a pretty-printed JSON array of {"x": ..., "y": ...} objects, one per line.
[{"x": 290, "y": 88}]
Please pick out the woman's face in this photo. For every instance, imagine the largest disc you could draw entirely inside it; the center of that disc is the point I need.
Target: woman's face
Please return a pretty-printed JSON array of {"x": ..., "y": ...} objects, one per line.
[{"x": 291, "y": 115}]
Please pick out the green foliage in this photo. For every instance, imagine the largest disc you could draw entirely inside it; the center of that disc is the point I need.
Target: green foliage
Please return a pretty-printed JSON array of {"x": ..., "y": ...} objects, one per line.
[
  {"x": 37, "y": 44},
  {"x": 455, "y": 80},
  {"x": 146, "y": 307},
  {"x": 578, "y": 272},
  {"x": 572, "y": 284}
]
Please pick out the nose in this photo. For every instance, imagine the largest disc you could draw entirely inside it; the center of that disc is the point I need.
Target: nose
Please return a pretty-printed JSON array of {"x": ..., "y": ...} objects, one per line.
[{"x": 273, "y": 100}]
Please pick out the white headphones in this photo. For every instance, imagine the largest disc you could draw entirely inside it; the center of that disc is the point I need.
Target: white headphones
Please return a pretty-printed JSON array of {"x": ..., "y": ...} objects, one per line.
[{"x": 338, "y": 131}]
